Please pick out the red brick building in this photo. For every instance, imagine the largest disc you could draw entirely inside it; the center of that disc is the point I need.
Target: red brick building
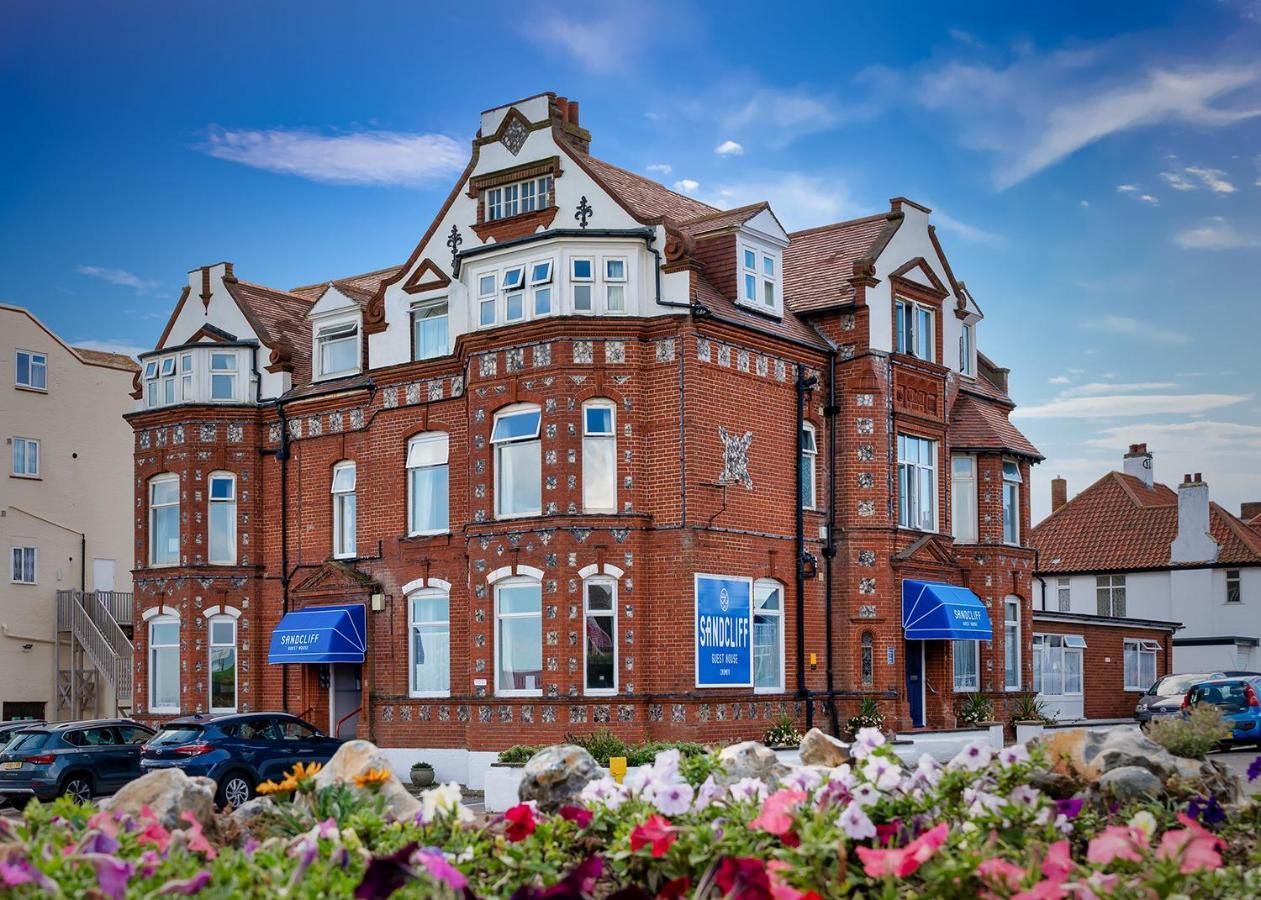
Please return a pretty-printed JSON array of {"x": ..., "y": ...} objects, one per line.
[{"x": 596, "y": 455}]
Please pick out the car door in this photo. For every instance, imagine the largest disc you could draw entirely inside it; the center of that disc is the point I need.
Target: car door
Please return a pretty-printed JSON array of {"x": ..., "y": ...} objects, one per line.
[
  {"x": 308, "y": 744},
  {"x": 102, "y": 751},
  {"x": 274, "y": 757},
  {"x": 132, "y": 738}
]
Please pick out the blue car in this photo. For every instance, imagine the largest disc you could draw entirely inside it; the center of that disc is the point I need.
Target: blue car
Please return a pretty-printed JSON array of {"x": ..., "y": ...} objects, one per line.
[
  {"x": 237, "y": 750},
  {"x": 1239, "y": 700},
  {"x": 79, "y": 759}
]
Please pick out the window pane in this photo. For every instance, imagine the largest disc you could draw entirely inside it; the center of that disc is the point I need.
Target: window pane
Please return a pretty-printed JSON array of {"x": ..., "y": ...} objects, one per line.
[
  {"x": 164, "y": 669},
  {"x": 486, "y": 285},
  {"x": 522, "y": 598},
  {"x": 1011, "y": 513},
  {"x": 599, "y": 473},
  {"x": 1072, "y": 671},
  {"x": 599, "y": 420},
  {"x": 431, "y": 331},
  {"x": 515, "y": 307},
  {"x": 615, "y": 269},
  {"x": 768, "y": 293},
  {"x": 223, "y": 678},
  {"x": 339, "y": 355},
  {"x": 486, "y": 312},
  {"x": 542, "y": 301},
  {"x": 767, "y": 666},
  {"x": 24, "y": 369},
  {"x": 750, "y": 287},
  {"x": 222, "y": 387},
  {"x": 343, "y": 479},
  {"x": 524, "y": 424},
  {"x": 513, "y": 278},
  {"x": 520, "y": 639},
  {"x": 541, "y": 272},
  {"x": 430, "y": 500},
  {"x": 616, "y": 297},
  {"x": 750, "y": 259},
  {"x": 807, "y": 480},
  {"x": 768, "y": 266},
  {"x": 223, "y": 362},
  {"x": 519, "y": 474},
  {"x": 582, "y": 268},
  {"x": 582, "y": 297},
  {"x": 223, "y": 531},
  {"x": 431, "y": 658}
]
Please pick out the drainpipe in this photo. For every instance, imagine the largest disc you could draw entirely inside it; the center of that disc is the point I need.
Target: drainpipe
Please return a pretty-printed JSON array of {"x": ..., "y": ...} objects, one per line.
[
  {"x": 829, "y": 549},
  {"x": 282, "y": 456},
  {"x": 804, "y": 385}
]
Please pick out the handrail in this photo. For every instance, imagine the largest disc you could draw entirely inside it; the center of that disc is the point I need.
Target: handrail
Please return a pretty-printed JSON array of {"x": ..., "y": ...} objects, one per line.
[
  {"x": 101, "y": 638},
  {"x": 101, "y": 616},
  {"x": 337, "y": 732}
]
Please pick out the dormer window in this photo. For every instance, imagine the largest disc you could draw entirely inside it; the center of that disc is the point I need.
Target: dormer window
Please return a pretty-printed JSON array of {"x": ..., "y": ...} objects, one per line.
[
  {"x": 337, "y": 349},
  {"x": 516, "y": 199},
  {"x": 760, "y": 277},
  {"x": 915, "y": 335}
]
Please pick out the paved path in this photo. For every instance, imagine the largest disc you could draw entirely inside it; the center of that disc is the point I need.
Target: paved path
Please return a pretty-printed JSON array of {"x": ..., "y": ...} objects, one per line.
[{"x": 1238, "y": 761}]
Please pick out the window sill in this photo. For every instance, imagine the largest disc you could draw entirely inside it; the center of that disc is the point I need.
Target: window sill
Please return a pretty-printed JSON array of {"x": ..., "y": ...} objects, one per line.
[
  {"x": 26, "y": 477},
  {"x": 29, "y": 389},
  {"x": 769, "y": 690},
  {"x": 333, "y": 376},
  {"x": 430, "y": 695},
  {"x": 424, "y": 534},
  {"x": 25, "y": 583},
  {"x": 170, "y": 565},
  {"x": 600, "y": 692},
  {"x": 504, "y": 517},
  {"x": 509, "y": 694},
  {"x": 165, "y": 711}
]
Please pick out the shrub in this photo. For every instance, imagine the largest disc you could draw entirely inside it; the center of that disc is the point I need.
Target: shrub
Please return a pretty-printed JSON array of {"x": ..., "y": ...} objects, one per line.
[
  {"x": 783, "y": 733},
  {"x": 976, "y": 709},
  {"x": 521, "y": 753},
  {"x": 602, "y": 745},
  {"x": 868, "y": 716},
  {"x": 1030, "y": 709},
  {"x": 1194, "y": 736}
]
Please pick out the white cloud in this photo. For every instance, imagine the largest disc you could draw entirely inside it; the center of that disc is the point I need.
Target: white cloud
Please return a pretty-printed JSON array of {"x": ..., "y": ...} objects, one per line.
[
  {"x": 966, "y": 38},
  {"x": 113, "y": 345},
  {"x": 1180, "y": 437},
  {"x": 1132, "y": 327},
  {"x": 779, "y": 115},
  {"x": 798, "y": 200},
  {"x": 600, "y": 45},
  {"x": 1095, "y": 388},
  {"x": 1123, "y": 405},
  {"x": 661, "y": 168},
  {"x": 1176, "y": 181},
  {"x": 120, "y": 277},
  {"x": 1085, "y": 203},
  {"x": 1218, "y": 234},
  {"x": 1213, "y": 179},
  {"x": 729, "y": 148},
  {"x": 1058, "y": 379},
  {"x": 367, "y": 157},
  {"x": 1148, "y": 198},
  {"x": 686, "y": 186},
  {"x": 1126, "y": 188}
]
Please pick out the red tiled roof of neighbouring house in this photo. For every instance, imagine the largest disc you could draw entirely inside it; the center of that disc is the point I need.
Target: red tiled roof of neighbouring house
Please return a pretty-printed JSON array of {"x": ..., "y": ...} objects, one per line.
[
  {"x": 279, "y": 317},
  {"x": 820, "y": 261},
  {"x": 104, "y": 358},
  {"x": 647, "y": 198},
  {"x": 1120, "y": 524},
  {"x": 978, "y": 425}
]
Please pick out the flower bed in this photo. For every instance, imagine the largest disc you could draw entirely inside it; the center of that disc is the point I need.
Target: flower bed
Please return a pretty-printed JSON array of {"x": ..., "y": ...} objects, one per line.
[{"x": 679, "y": 828}]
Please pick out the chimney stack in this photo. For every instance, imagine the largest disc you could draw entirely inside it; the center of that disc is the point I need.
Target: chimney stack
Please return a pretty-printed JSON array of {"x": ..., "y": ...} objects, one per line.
[
  {"x": 1194, "y": 542},
  {"x": 1138, "y": 462},
  {"x": 1059, "y": 492}
]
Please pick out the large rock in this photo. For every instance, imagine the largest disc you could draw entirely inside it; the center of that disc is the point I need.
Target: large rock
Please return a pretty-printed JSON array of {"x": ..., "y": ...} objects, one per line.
[
  {"x": 1131, "y": 783},
  {"x": 169, "y": 793},
  {"x": 555, "y": 776},
  {"x": 820, "y": 749},
  {"x": 749, "y": 759},
  {"x": 252, "y": 809},
  {"x": 356, "y": 758}
]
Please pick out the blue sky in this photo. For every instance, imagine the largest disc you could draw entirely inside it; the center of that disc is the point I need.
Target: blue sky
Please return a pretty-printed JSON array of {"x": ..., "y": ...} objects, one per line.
[{"x": 1095, "y": 169}]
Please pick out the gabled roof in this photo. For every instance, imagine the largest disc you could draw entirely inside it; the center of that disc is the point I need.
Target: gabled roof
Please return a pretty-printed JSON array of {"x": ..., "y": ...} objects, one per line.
[
  {"x": 976, "y": 424},
  {"x": 1120, "y": 524},
  {"x": 647, "y": 199},
  {"x": 820, "y": 261},
  {"x": 110, "y": 360},
  {"x": 722, "y": 219},
  {"x": 279, "y": 319},
  {"x": 359, "y": 288}
]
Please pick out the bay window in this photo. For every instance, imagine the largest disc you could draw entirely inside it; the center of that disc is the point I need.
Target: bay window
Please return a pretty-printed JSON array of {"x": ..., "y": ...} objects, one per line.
[
  {"x": 187, "y": 394},
  {"x": 344, "y": 511},
  {"x": 222, "y": 664},
  {"x": 222, "y": 518},
  {"x": 967, "y": 665},
  {"x": 518, "y": 461},
  {"x": 430, "y": 336},
  {"x": 615, "y": 285},
  {"x": 519, "y": 637},
  {"x": 914, "y": 329},
  {"x": 768, "y": 636},
  {"x": 917, "y": 483},
  {"x": 429, "y": 621},
  {"x": 963, "y": 498},
  {"x": 164, "y": 664},
  {"x": 1011, "y": 502},
  {"x": 600, "y": 636},
  {"x": 164, "y": 520},
  {"x": 541, "y": 284},
  {"x": 1140, "y": 664},
  {"x": 809, "y": 457},
  {"x": 223, "y": 368},
  {"x": 486, "y": 299},
  {"x": 337, "y": 349},
  {"x": 428, "y": 482},
  {"x": 582, "y": 278},
  {"x": 513, "y": 286},
  {"x": 599, "y": 456},
  {"x": 1011, "y": 643}
]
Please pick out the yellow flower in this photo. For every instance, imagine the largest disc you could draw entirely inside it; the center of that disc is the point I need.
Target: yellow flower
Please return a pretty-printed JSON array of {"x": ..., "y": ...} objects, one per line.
[
  {"x": 372, "y": 778},
  {"x": 302, "y": 773},
  {"x": 267, "y": 787}
]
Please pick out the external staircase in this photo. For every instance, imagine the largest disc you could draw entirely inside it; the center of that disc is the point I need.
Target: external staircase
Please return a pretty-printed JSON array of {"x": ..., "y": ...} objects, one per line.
[{"x": 94, "y": 634}]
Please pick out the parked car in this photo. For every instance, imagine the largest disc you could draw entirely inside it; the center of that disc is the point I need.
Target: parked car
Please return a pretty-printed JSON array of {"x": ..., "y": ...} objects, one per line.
[
  {"x": 1239, "y": 699},
  {"x": 79, "y": 759},
  {"x": 237, "y": 750},
  {"x": 1164, "y": 698},
  {"x": 12, "y": 727}
]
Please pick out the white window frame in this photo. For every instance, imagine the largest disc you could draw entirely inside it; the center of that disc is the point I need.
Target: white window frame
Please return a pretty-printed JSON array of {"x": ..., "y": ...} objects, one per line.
[
  {"x": 34, "y": 360},
  {"x": 487, "y": 299},
  {"x": 963, "y": 495},
  {"x": 153, "y": 647},
  {"x": 967, "y": 349},
  {"x": 211, "y": 647},
  {"x": 1047, "y": 649},
  {"x": 338, "y": 332},
  {"x": 1064, "y": 595},
  {"x": 1234, "y": 578},
  {"x": 611, "y": 613},
  {"x": 1012, "y": 481},
  {"x": 508, "y": 200},
  {"x": 25, "y": 444},
  {"x": 809, "y": 466},
  {"x": 759, "y": 586},
  {"x": 975, "y": 650},
  {"x": 512, "y": 284},
  {"x": 755, "y": 280},
  {"x": 615, "y": 283},
  {"x": 153, "y": 483},
  {"x": 499, "y": 586},
  {"x": 1144, "y": 648},
  {"x": 910, "y": 501},
  {"x": 212, "y": 502},
  {"x": 1012, "y": 640},
  {"x": 418, "y": 311},
  {"x": 500, "y": 443},
  {"x": 340, "y": 498},
  {"x": 416, "y": 445},
  {"x": 233, "y": 374},
  {"x": 1111, "y": 584},
  {"x": 19, "y": 566},
  {"x": 187, "y": 370},
  {"x": 413, "y": 625},
  {"x": 575, "y": 282},
  {"x": 591, "y": 443},
  {"x": 910, "y": 321},
  {"x": 540, "y": 285}
]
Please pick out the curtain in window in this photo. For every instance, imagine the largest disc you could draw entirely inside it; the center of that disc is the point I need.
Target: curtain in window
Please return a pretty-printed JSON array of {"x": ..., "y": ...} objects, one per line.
[
  {"x": 600, "y": 637},
  {"x": 164, "y": 662},
  {"x": 431, "y": 644},
  {"x": 520, "y": 633}
]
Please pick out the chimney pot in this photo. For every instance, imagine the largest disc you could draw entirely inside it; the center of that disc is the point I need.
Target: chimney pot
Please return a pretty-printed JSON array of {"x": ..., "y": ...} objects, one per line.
[
  {"x": 573, "y": 112},
  {"x": 1137, "y": 463},
  {"x": 1199, "y": 477},
  {"x": 1186, "y": 478},
  {"x": 1059, "y": 492}
]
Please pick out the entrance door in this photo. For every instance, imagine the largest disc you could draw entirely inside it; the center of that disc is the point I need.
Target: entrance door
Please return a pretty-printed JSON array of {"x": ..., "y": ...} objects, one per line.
[
  {"x": 102, "y": 574},
  {"x": 915, "y": 681},
  {"x": 345, "y": 697}
]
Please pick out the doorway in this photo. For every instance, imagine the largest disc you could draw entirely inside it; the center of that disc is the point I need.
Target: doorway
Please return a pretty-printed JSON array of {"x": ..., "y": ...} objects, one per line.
[
  {"x": 345, "y": 700},
  {"x": 915, "y": 682},
  {"x": 103, "y": 571}
]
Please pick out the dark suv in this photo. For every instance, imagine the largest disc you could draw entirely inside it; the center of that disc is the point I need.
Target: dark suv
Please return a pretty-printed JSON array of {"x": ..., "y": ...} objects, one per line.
[
  {"x": 81, "y": 759},
  {"x": 237, "y": 750}
]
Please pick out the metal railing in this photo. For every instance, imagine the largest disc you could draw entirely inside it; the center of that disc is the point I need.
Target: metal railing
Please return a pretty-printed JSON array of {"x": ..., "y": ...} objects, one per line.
[
  {"x": 92, "y": 626},
  {"x": 120, "y": 605}
]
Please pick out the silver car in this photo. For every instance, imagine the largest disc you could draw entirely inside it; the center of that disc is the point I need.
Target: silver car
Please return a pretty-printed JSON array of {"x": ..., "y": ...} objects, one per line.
[{"x": 1164, "y": 698}]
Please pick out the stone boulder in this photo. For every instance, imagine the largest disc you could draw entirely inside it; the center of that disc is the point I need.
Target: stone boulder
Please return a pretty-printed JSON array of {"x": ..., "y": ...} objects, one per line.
[
  {"x": 556, "y": 775},
  {"x": 1131, "y": 783},
  {"x": 252, "y": 809},
  {"x": 749, "y": 759},
  {"x": 820, "y": 749},
  {"x": 356, "y": 758},
  {"x": 169, "y": 793}
]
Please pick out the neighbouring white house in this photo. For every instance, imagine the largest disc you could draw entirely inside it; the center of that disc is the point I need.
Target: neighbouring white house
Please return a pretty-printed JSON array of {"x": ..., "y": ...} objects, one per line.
[{"x": 1131, "y": 547}]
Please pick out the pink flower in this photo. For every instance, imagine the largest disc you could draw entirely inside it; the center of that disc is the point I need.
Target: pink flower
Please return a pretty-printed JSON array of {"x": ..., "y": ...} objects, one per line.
[
  {"x": 1043, "y": 890},
  {"x": 905, "y": 860},
  {"x": 196, "y": 837},
  {"x": 780, "y": 888},
  {"x": 1000, "y": 873},
  {"x": 1116, "y": 842},
  {"x": 777, "y": 809},
  {"x": 156, "y": 835},
  {"x": 1195, "y": 845},
  {"x": 520, "y": 821},
  {"x": 186, "y": 886},
  {"x": 440, "y": 870},
  {"x": 657, "y": 831},
  {"x": 1058, "y": 862}
]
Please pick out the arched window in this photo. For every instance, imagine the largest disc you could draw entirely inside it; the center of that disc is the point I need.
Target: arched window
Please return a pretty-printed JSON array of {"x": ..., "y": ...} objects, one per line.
[
  {"x": 222, "y": 518},
  {"x": 809, "y": 455},
  {"x": 868, "y": 672},
  {"x": 164, "y": 664},
  {"x": 164, "y": 520},
  {"x": 768, "y": 636},
  {"x": 222, "y": 664},
  {"x": 599, "y": 635},
  {"x": 343, "y": 510},
  {"x": 429, "y": 621},
  {"x": 518, "y": 461},
  {"x": 599, "y": 456},
  {"x": 428, "y": 481},
  {"x": 519, "y": 637}
]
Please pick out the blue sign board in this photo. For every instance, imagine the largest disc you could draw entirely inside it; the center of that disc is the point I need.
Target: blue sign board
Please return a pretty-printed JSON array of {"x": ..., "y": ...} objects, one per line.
[
  {"x": 321, "y": 634},
  {"x": 933, "y": 611},
  {"x": 724, "y": 631}
]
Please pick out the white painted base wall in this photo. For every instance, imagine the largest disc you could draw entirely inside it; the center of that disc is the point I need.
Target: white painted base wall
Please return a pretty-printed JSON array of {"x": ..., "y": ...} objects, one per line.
[
  {"x": 944, "y": 746},
  {"x": 466, "y": 767}
]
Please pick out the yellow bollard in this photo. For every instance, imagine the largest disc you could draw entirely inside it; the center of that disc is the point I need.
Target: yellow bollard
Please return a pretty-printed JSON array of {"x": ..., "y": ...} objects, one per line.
[{"x": 617, "y": 768}]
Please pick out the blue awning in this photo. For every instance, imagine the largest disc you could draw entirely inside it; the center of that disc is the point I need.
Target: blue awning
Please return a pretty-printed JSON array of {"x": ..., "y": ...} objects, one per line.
[
  {"x": 321, "y": 634},
  {"x": 933, "y": 612}
]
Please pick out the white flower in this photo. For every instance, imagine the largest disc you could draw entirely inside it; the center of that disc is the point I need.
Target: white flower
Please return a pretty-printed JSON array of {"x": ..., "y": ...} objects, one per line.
[
  {"x": 843, "y": 774},
  {"x": 968, "y": 827},
  {"x": 1024, "y": 795},
  {"x": 673, "y": 799},
  {"x": 855, "y": 822},
  {"x": 866, "y": 794},
  {"x": 865, "y": 741},
  {"x": 983, "y": 802},
  {"x": 976, "y": 755},
  {"x": 597, "y": 791},
  {"x": 1144, "y": 822},
  {"x": 666, "y": 766},
  {"x": 883, "y": 773},
  {"x": 803, "y": 778},
  {"x": 442, "y": 800},
  {"x": 748, "y": 789},
  {"x": 710, "y": 792},
  {"x": 642, "y": 780},
  {"x": 1010, "y": 756}
]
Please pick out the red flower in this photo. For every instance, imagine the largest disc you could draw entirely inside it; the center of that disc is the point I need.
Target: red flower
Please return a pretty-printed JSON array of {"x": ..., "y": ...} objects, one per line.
[
  {"x": 879, "y": 863},
  {"x": 745, "y": 878},
  {"x": 656, "y": 831},
  {"x": 675, "y": 888},
  {"x": 579, "y": 815},
  {"x": 520, "y": 821},
  {"x": 886, "y": 832}
]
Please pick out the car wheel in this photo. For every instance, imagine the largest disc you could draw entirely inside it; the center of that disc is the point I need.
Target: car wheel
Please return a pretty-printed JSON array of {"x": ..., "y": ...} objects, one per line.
[
  {"x": 235, "y": 790},
  {"x": 79, "y": 787}
]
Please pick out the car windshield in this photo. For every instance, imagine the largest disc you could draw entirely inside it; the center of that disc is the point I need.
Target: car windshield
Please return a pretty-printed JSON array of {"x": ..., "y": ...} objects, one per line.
[
  {"x": 1230, "y": 695},
  {"x": 175, "y": 735},
  {"x": 28, "y": 740},
  {"x": 1173, "y": 685}
]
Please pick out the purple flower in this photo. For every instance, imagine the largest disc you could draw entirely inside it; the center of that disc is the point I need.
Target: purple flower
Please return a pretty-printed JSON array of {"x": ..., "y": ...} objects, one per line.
[
  {"x": 306, "y": 853},
  {"x": 440, "y": 870},
  {"x": 1070, "y": 808},
  {"x": 13, "y": 874},
  {"x": 98, "y": 842},
  {"x": 1207, "y": 811},
  {"x": 187, "y": 886},
  {"x": 577, "y": 885},
  {"x": 1254, "y": 770},
  {"x": 112, "y": 873},
  {"x": 386, "y": 874},
  {"x": 251, "y": 844}
]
